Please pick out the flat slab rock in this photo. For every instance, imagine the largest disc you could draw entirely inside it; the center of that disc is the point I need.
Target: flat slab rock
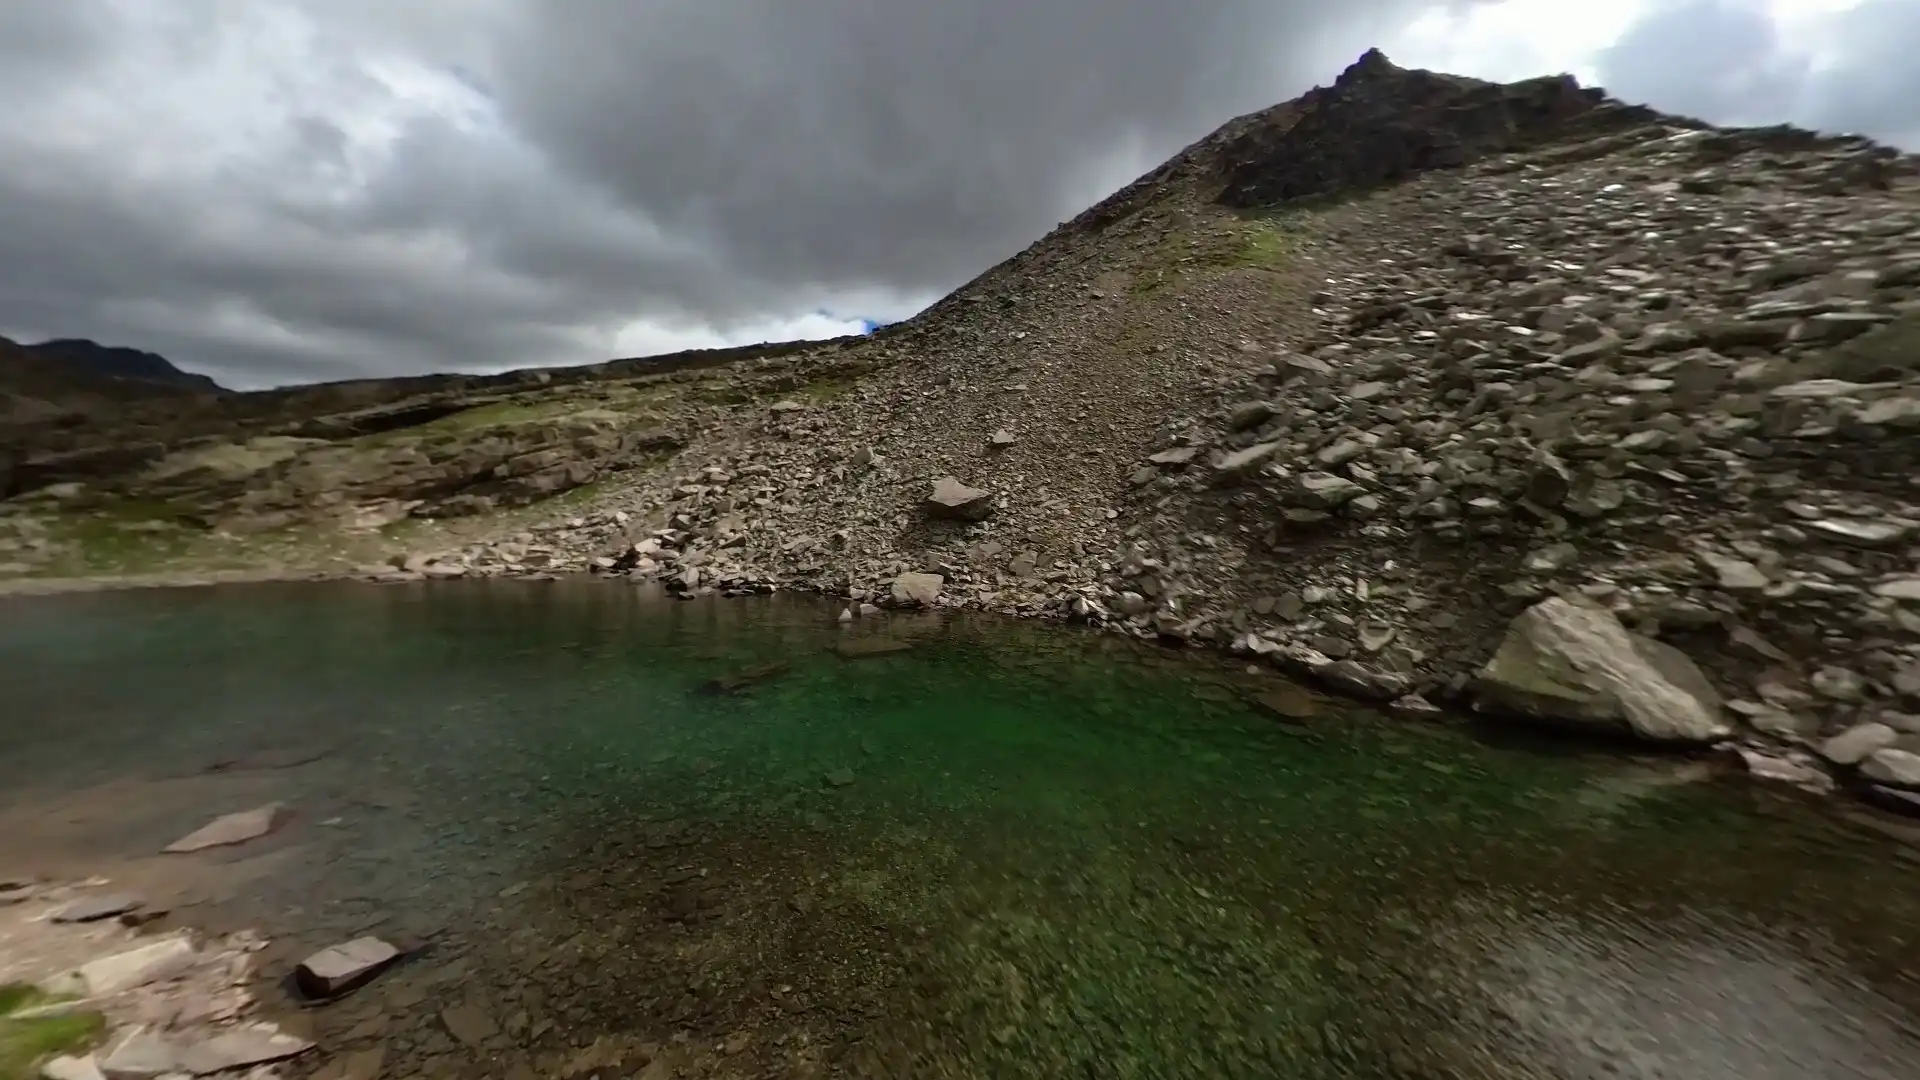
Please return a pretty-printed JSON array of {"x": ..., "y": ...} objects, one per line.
[
  {"x": 142, "y": 1053},
  {"x": 241, "y": 1048},
  {"x": 339, "y": 969},
  {"x": 229, "y": 829},
  {"x": 131, "y": 968},
  {"x": 95, "y": 908},
  {"x": 1570, "y": 660},
  {"x": 955, "y": 501}
]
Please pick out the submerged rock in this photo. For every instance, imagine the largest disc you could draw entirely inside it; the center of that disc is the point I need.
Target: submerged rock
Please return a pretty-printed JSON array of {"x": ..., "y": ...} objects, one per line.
[
  {"x": 862, "y": 648},
  {"x": 230, "y": 829},
  {"x": 737, "y": 681},
  {"x": 1571, "y": 660},
  {"x": 1289, "y": 703}
]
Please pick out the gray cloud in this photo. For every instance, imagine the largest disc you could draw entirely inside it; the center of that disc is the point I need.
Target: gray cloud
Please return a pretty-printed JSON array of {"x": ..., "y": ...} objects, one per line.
[
  {"x": 283, "y": 190},
  {"x": 1727, "y": 61}
]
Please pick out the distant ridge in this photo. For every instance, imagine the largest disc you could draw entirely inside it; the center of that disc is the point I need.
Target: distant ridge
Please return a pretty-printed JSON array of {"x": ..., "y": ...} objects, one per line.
[{"x": 119, "y": 362}]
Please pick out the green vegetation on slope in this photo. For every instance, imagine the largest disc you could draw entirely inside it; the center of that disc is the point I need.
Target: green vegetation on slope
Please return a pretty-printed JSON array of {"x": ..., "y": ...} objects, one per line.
[{"x": 25, "y": 1042}]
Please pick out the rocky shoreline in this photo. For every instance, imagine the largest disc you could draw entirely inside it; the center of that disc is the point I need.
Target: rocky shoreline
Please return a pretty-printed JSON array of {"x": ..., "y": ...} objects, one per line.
[{"x": 98, "y": 985}]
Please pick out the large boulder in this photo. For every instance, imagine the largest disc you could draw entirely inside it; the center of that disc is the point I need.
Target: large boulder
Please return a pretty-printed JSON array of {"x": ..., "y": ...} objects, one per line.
[
  {"x": 955, "y": 501},
  {"x": 1570, "y": 660},
  {"x": 917, "y": 590}
]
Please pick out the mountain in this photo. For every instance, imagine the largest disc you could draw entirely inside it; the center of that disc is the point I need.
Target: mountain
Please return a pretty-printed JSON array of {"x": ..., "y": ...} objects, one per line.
[
  {"x": 45, "y": 386},
  {"x": 115, "y": 362},
  {"x": 1346, "y": 386}
]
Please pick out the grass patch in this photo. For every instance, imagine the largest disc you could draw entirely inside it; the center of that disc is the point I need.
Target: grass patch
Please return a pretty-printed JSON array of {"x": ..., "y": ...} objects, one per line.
[
  {"x": 115, "y": 542},
  {"x": 1210, "y": 244},
  {"x": 825, "y": 389},
  {"x": 26, "y": 1042},
  {"x": 1266, "y": 246}
]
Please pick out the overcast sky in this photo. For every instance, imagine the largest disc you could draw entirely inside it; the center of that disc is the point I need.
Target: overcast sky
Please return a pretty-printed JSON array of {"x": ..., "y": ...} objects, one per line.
[{"x": 277, "y": 191}]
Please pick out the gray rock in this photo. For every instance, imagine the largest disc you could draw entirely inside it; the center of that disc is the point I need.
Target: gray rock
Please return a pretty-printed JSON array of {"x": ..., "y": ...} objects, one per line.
[
  {"x": 469, "y": 1023},
  {"x": 1325, "y": 491},
  {"x": 1838, "y": 684},
  {"x": 1734, "y": 575},
  {"x": 64, "y": 1067},
  {"x": 1175, "y": 457},
  {"x": 1249, "y": 414},
  {"x": 1243, "y": 463},
  {"x": 917, "y": 590},
  {"x": 1370, "y": 684},
  {"x": 1416, "y": 706},
  {"x": 242, "y": 1048},
  {"x": 1570, "y": 660},
  {"x": 338, "y": 969},
  {"x": 95, "y": 908},
  {"x": 955, "y": 501},
  {"x": 140, "y": 1054},
  {"x": 1864, "y": 534},
  {"x": 1893, "y": 766},
  {"x": 136, "y": 967},
  {"x": 1852, "y": 746},
  {"x": 1784, "y": 770}
]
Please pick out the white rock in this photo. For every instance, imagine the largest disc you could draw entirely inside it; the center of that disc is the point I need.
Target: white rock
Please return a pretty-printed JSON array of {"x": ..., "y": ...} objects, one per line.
[
  {"x": 229, "y": 829},
  {"x": 140, "y": 1054},
  {"x": 1852, "y": 746},
  {"x": 72, "y": 1068},
  {"x": 137, "y": 967},
  {"x": 1892, "y": 766}
]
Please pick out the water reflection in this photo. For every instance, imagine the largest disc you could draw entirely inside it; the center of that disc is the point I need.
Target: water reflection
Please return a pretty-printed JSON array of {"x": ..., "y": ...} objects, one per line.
[{"x": 998, "y": 851}]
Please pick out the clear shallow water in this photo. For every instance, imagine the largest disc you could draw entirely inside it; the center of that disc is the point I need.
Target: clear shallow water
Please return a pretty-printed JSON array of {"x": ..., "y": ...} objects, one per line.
[{"x": 1007, "y": 851}]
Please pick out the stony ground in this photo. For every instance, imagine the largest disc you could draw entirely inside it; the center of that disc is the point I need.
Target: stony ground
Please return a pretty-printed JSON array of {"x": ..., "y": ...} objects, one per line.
[{"x": 1671, "y": 372}]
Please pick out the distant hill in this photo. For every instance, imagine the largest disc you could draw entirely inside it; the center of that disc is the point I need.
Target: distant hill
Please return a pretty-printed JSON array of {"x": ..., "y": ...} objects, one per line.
[
  {"x": 42, "y": 383},
  {"x": 116, "y": 362}
]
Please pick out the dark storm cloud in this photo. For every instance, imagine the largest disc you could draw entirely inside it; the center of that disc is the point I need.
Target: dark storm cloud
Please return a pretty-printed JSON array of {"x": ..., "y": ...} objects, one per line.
[
  {"x": 880, "y": 142},
  {"x": 1728, "y": 61},
  {"x": 283, "y": 190}
]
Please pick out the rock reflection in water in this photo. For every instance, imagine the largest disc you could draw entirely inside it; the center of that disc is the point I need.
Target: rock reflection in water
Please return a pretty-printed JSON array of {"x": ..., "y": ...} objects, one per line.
[{"x": 999, "y": 851}]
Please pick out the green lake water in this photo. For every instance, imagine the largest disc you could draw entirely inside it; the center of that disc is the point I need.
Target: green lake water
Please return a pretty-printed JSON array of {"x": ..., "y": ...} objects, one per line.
[{"x": 1006, "y": 850}]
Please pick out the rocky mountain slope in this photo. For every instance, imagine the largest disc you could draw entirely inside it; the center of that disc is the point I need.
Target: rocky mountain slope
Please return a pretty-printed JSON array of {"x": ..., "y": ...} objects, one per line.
[{"x": 1348, "y": 387}]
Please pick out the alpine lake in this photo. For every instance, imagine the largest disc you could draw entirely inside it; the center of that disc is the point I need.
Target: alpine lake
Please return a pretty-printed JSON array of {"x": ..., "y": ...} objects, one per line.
[{"x": 735, "y": 838}]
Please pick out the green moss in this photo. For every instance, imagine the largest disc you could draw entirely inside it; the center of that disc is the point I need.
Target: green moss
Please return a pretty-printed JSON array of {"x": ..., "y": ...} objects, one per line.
[
  {"x": 1265, "y": 246},
  {"x": 825, "y": 389},
  {"x": 26, "y": 1042}
]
